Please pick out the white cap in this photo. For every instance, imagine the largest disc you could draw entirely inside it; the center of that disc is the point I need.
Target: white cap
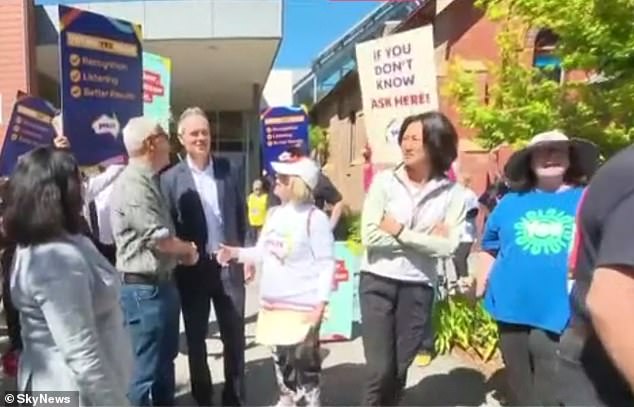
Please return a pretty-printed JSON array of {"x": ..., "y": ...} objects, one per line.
[
  {"x": 137, "y": 131},
  {"x": 302, "y": 167}
]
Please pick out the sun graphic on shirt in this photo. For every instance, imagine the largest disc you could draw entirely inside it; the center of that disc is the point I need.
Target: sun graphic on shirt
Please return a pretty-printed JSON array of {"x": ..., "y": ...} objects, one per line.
[{"x": 545, "y": 231}]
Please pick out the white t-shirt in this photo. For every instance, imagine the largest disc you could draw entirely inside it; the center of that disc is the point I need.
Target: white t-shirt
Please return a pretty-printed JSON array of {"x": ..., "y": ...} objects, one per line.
[{"x": 296, "y": 250}]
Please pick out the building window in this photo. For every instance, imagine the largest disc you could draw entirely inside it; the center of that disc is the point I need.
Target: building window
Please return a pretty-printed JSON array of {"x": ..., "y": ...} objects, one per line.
[{"x": 544, "y": 57}]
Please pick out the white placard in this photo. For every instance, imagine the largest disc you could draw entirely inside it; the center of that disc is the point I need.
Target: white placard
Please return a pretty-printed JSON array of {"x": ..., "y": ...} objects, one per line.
[{"x": 397, "y": 74}]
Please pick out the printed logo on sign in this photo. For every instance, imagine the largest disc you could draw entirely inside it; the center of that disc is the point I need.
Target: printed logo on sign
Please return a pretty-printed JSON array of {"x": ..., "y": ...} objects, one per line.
[
  {"x": 392, "y": 130},
  {"x": 107, "y": 125}
]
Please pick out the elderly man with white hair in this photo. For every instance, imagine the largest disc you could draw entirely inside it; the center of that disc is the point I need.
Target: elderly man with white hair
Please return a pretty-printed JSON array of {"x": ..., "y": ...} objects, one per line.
[{"x": 147, "y": 253}]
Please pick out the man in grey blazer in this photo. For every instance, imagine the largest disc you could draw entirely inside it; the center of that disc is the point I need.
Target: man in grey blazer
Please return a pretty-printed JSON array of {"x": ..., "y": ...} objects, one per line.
[{"x": 207, "y": 204}]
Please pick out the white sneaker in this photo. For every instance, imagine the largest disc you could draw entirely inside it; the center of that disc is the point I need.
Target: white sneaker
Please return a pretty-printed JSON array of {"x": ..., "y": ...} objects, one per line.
[
  {"x": 286, "y": 400},
  {"x": 313, "y": 397}
]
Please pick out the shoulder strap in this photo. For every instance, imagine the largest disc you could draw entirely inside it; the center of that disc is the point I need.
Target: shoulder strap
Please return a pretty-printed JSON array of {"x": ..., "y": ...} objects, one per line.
[
  {"x": 308, "y": 219},
  {"x": 310, "y": 215}
]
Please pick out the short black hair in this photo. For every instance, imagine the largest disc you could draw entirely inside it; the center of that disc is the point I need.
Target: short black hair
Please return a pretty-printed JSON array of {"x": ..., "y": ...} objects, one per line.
[
  {"x": 440, "y": 139},
  {"x": 43, "y": 199},
  {"x": 574, "y": 175}
]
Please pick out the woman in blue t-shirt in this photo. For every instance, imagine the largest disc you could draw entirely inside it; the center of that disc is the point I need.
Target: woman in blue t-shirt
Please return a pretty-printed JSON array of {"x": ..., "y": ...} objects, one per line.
[{"x": 526, "y": 243}]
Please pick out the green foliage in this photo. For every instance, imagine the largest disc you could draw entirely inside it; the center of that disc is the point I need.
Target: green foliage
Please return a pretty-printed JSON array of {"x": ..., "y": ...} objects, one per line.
[
  {"x": 523, "y": 102},
  {"x": 318, "y": 139},
  {"x": 463, "y": 323},
  {"x": 351, "y": 224}
]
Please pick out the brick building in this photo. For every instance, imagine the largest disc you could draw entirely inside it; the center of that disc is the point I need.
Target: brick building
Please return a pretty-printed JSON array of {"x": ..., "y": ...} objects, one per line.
[
  {"x": 460, "y": 31},
  {"x": 17, "y": 60}
]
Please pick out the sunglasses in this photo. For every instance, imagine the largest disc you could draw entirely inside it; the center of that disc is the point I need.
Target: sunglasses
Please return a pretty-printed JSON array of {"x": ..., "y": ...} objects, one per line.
[{"x": 282, "y": 179}]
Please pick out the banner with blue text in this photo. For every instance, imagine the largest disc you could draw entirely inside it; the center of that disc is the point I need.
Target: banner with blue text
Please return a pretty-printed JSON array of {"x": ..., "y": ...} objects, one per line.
[
  {"x": 29, "y": 127},
  {"x": 101, "y": 82},
  {"x": 282, "y": 128}
]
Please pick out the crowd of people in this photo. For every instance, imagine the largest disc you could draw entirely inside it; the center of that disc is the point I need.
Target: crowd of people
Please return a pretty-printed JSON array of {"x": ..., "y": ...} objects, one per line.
[{"x": 97, "y": 270}]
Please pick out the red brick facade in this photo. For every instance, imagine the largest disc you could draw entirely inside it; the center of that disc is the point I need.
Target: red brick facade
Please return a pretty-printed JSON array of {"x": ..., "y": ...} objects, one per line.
[{"x": 17, "y": 50}]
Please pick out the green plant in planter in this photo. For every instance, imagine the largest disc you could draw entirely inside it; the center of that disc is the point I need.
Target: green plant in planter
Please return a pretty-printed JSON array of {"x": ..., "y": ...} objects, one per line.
[
  {"x": 463, "y": 323},
  {"x": 350, "y": 230}
]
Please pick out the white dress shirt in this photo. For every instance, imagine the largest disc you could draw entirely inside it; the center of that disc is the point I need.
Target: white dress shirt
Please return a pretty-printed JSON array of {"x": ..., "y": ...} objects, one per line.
[
  {"x": 98, "y": 189},
  {"x": 208, "y": 192}
]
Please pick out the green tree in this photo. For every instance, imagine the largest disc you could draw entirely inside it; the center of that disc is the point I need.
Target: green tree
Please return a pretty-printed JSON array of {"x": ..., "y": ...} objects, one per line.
[
  {"x": 595, "y": 37},
  {"x": 318, "y": 140}
]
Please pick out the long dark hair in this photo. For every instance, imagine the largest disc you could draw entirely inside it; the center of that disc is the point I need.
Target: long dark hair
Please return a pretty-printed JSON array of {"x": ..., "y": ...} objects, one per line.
[{"x": 43, "y": 199}]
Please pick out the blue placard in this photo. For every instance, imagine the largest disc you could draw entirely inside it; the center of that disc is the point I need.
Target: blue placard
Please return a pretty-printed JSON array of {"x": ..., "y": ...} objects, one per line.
[
  {"x": 101, "y": 82},
  {"x": 29, "y": 127},
  {"x": 282, "y": 128}
]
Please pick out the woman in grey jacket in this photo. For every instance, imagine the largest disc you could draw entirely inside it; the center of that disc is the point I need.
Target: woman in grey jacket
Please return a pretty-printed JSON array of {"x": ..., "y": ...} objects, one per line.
[
  {"x": 66, "y": 292},
  {"x": 412, "y": 218}
]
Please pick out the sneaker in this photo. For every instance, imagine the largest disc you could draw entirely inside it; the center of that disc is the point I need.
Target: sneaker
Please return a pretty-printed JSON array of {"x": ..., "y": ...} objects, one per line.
[
  {"x": 313, "y": 397},
  {"x": 286, "y": 401},
  {"x": 423, "y": 359}
]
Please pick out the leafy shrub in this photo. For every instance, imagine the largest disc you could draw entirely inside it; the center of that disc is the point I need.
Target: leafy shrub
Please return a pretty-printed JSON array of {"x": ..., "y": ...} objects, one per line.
[{"x": 460, "y": 322}]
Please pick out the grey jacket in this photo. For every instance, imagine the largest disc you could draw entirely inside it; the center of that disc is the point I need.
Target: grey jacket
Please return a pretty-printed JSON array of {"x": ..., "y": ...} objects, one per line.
[{"x": 72, "y": 325}]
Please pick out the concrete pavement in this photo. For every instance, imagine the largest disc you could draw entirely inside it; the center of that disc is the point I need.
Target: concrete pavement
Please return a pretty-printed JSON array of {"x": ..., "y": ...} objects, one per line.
[{"x": 448, "y": 381}]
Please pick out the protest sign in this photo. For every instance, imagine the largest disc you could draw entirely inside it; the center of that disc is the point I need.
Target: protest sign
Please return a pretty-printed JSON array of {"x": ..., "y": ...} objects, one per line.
[
  {"x": 101, "y": 82},
  {"x": 157, "y": 71},
  {"x": 29, "y": 127},
  {"x": 340, "y": 314},
  {"x": 397, "y": 75},
  {"x": 282, "y": 128}
]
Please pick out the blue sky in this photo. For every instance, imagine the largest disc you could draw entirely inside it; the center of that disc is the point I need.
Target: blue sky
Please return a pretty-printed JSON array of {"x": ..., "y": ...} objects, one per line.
[{"x": 311, "y": 25}]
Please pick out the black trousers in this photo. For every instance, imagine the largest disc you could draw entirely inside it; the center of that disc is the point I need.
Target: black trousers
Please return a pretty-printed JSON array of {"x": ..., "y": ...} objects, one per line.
[
  {"x": 585, "y": 374},
  {"x": 394, "y": 315},
  {"x": 198, "y": 286},
  {"x": 529, "y": 357},
  {"x": 11, "y": 313}
]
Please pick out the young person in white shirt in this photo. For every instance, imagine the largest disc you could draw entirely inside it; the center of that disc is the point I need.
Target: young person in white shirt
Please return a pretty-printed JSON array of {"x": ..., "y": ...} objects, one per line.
[{"x": 296, "y": 250}]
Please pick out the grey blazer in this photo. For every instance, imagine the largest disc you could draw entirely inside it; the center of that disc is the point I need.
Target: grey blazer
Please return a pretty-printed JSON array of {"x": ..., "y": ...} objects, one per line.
[{"x": 72, "y": 324}]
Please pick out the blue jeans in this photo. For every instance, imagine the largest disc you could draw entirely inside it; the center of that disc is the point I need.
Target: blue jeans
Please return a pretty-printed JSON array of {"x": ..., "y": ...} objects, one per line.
[{"x": 152, "y": 316}]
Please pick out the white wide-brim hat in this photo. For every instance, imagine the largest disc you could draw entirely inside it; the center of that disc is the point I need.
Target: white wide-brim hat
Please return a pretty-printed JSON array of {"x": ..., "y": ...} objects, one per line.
[
  {"x": 587, "y": 154},
  {"x": 302, "y": 167}
]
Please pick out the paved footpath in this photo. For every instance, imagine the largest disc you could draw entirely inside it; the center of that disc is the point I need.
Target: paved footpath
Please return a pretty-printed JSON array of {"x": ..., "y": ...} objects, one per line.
[{"x": 448, "y": 381}]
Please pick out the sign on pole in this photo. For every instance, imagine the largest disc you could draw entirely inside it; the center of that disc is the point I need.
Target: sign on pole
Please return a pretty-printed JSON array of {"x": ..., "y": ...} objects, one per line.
[
  {"x": 101, "y": 82},
  {"x": 29, "y": 127},
  {"x": 397, "y": 74},
  {"x": 282, "y": 128},
  {"x": 157, "y": 71}
]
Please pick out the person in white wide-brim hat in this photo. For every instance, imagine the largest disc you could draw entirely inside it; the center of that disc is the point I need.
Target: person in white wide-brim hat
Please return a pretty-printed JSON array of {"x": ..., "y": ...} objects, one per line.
[
  {"x": 583, "y": 157},
  {"x": 524, "y": 268}
]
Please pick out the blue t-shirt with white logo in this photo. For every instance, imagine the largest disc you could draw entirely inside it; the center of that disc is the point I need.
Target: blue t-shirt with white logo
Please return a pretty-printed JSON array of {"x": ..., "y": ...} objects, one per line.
[{"x": 532, "y": 233}]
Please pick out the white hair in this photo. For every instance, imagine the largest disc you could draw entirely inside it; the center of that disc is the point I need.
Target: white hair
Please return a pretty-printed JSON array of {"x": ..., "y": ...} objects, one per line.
[
  {"x": 137, "y": 131},
  {"x": 190, "y": 111}
]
